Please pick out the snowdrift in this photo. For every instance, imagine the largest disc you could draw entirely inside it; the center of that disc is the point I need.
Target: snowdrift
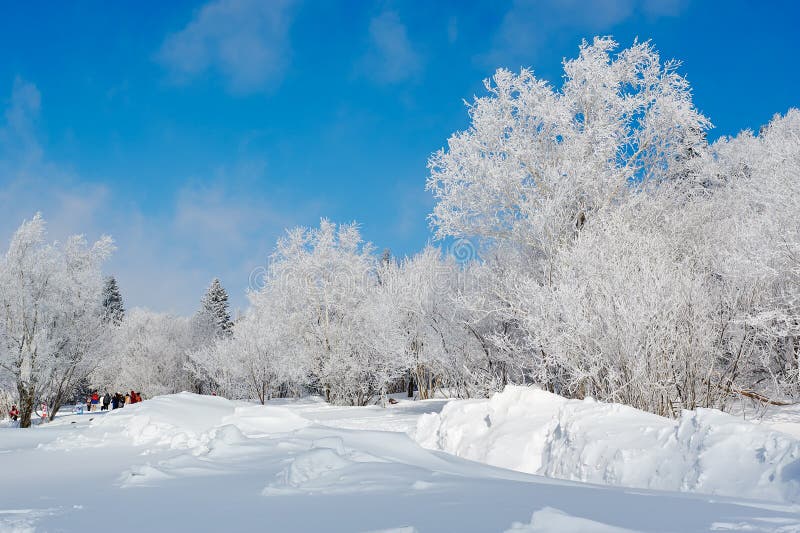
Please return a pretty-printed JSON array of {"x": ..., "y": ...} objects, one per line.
[
  {"x": 533, "y": 431},
  {"x": 184, "y": 421}
]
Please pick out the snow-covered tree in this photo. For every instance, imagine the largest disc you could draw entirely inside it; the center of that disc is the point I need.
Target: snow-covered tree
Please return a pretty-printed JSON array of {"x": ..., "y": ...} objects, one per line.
[
  {"x": 50, "y": 313},
  {"x": 754, "y": 246},
  {"x": 623, "y": 257},
  {"x": 424, "y": 311},
  {"x": 538, "y": 163},
  {"x": 211, "y": 323},
  {"x": 148, "y": 355},
  {"x": 214, "y": 306},
  {"x": 325, "y": 280},
  {"x": 114, "y": 309},
  {"x": 260, "y": 359}
]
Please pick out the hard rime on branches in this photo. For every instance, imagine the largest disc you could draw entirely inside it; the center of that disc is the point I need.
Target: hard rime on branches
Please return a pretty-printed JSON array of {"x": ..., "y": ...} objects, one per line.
[
  {"x": 538, "y": 163},
  {"x": 113, "y": 307},
  {"x": 318, "y": 324},
  {"x": 51, "y": 317},
  {"x": 631, "y": 261},
  {"x": 148, "y": 354},
  {"x": 214, "y": 305},
  {"x": 211, "y": 323}
]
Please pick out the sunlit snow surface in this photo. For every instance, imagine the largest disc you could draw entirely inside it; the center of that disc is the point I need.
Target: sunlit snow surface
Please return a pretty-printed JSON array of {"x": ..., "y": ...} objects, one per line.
[
  {"x": 706, "y": 450},
  {"x": 201, "y": 463}
]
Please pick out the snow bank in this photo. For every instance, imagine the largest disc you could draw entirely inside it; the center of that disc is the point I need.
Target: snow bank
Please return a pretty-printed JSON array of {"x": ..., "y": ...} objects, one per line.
[
  {"x": 534, "y": 431},
  {"x": 185, "y": 421},
  {"x": 179, "y": 420}
]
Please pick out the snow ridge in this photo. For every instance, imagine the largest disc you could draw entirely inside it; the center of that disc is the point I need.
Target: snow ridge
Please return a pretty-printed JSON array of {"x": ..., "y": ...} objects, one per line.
[{"x": 533, "y": 431}]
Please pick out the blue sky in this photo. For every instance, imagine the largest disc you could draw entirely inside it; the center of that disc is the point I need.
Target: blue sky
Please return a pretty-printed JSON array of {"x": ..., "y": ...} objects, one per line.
[{"x": 194, "y": 133}]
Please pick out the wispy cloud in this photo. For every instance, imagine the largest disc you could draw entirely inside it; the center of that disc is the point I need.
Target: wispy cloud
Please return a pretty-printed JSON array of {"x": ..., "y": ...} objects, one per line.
[
  {"x": 28, "y": 178},
  {"x": 391, "y": 57},
  {"x": 164, "y": 258},
  {"x": 18, "y": 132},
  {"x": 531, "y": 25},
  {"x": 452, "y": 30},
  {"x": 244, "y": 41}
]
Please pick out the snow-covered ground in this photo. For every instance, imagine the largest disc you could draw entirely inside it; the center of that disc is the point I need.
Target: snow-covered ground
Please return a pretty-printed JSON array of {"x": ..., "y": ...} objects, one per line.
[
  {"x": 705, "y": 451},
  {"x": 201, "y": 463}
]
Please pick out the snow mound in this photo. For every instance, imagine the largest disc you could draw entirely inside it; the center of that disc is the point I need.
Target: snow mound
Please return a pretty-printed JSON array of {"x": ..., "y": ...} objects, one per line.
[
  {"x": 322, "y": 467},
  {"x": 261, "y": 420},
  {"x": 312, "y": 465},
  {"x": 184, "y": 421},
  {"x": 179, "y": 421},
  {"x": 533, "y": 431}
]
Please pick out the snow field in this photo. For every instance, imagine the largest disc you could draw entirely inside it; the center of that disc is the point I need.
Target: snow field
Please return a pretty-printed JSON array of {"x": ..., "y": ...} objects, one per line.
[
  {"x": 534, "y": 431},
  {"x": 199, "y": 463}
]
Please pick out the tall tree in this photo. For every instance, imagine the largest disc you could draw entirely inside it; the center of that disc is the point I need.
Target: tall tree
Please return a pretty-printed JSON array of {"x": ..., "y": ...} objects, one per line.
[
  {"x": 113, "y": 308},
  {"x": 50, "y": 297},
  {"x": 215, "y": 305}
]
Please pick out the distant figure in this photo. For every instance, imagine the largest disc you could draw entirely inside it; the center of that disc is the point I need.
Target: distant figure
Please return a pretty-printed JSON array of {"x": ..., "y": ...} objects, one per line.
[
  {"x": 133, "y": 397},
  {"x": 95, "y": 400},
  {"x": 88, "y": 403},
  {"x": 43, "y": 408},
  {"x": 106, "y": 401},
  {"x": 14, "y": 413},
  {"x": 213, "y": 393},
  {"x": 127, "y": 398}
]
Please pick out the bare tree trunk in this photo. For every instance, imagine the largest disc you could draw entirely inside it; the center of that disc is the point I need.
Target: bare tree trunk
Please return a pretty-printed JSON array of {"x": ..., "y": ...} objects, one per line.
[
  {"x": 54, "y": 409},
  {"x": 26, "y": 398}
]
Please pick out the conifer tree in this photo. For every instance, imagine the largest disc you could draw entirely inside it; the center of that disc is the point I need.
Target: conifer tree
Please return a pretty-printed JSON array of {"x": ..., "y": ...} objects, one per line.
[
  {"x": 113, "y": 308},
  {"x": 215, "y": 305}
]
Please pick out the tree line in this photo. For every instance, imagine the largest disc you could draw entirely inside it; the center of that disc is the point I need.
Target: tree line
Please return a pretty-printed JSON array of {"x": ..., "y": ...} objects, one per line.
[{"x": 592, "y": 241}]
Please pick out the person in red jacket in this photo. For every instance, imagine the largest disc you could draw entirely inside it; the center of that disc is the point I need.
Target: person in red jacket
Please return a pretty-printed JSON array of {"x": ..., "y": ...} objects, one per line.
[
  {"x": 14, "y": 413},
  {"x": 95, "y": 400}
]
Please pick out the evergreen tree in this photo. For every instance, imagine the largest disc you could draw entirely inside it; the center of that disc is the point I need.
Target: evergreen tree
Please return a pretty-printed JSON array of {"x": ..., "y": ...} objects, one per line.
[
  {"x": 386, "y": 257},
  {"x": 215, "y": 305},
  {"x": 114, "y": 310}
]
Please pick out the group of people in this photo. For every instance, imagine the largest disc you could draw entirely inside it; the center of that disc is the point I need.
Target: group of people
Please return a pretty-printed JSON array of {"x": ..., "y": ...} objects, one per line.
[{"x": 95, "y": 401}]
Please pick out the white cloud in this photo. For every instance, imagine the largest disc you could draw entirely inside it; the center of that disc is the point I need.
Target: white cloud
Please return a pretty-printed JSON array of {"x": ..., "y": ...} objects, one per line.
[
  {"x": 165, "y": 258},
  {"x": 530, "y": 25},
  {"x": 18, "y": 133},
  {"x": 245, "y": 41},
  {"x": 28, "y": 180},
  {"x": 391, "y": 57},
  {"x": 452, "y": 30}
]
